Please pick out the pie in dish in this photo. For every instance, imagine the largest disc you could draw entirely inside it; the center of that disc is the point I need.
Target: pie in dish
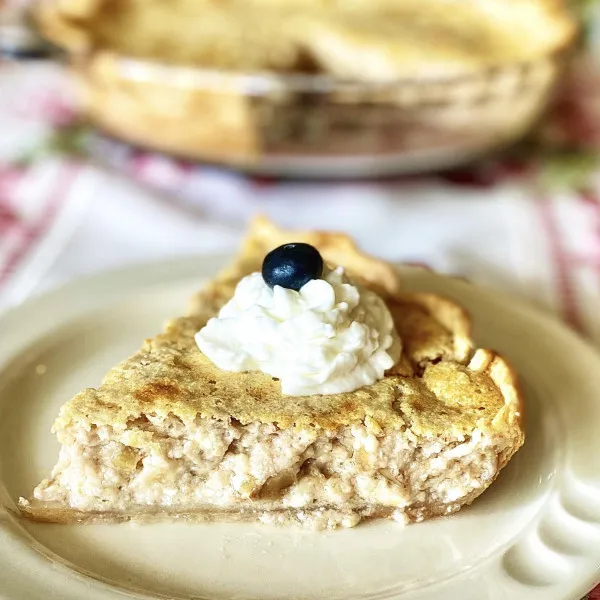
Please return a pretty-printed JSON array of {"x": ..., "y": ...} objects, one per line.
[
  {"x": 276, "y": 86},
  {"x": 170, "y": 435}
]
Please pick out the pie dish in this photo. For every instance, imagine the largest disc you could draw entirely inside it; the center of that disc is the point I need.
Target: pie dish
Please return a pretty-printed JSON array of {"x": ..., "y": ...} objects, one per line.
[
  {"x": 171, "y": 435},
  {"x": 393, "y": 83}
]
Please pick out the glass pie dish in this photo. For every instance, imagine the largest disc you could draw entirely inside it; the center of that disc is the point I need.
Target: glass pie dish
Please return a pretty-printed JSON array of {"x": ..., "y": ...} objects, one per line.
[{"x": 315, "y": 123}]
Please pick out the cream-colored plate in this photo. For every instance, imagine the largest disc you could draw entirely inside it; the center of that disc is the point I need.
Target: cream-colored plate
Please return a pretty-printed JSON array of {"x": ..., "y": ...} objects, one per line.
[{"x": 534, "y": 535}]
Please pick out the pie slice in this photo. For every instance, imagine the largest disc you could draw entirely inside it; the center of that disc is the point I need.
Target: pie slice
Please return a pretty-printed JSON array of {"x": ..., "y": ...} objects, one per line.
[{"x": 169, "y": 435}]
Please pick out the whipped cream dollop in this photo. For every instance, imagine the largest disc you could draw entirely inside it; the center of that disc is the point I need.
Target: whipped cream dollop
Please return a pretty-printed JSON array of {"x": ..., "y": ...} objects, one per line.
[{"x": 330, "y": 337}]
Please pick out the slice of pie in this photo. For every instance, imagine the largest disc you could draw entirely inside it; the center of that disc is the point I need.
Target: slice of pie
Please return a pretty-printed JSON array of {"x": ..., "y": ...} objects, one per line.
[{"x": 170, "y": 435}]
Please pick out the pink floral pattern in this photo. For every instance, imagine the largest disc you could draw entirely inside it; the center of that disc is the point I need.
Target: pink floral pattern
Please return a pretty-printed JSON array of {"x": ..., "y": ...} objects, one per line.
[{"x": 49, "y": 106}]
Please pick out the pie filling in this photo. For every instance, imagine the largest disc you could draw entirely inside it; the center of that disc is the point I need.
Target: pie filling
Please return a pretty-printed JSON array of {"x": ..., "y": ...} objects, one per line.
[{"x": 320, "y": 478}]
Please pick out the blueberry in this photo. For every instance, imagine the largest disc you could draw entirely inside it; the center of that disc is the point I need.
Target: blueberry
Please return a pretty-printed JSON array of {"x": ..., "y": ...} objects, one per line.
[{"x": 292, "y": 265}]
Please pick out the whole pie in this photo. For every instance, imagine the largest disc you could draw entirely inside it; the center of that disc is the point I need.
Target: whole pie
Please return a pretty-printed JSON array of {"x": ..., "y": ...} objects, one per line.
[
  {"x": 276, "y": 85},
  {"x": 363, "y": 39},
  {"x": 223, "y": 415}
]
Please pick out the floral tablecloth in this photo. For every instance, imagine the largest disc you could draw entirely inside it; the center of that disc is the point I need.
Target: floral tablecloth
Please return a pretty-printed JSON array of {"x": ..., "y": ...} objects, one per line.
[{"x": 530, "y": 225}]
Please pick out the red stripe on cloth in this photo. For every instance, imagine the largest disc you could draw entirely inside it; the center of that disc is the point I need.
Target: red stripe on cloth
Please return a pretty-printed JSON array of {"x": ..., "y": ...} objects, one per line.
[
  {"x": 561, "y": 264},
  {"x": 9, "y": 180},
  {"x": 7, "y": 218},
  {"x": 592, "y": 262},
  {"x": 33, "y": 232},
  {"x": 592, "y": 201},
  {"x": 595, "y": 594}
]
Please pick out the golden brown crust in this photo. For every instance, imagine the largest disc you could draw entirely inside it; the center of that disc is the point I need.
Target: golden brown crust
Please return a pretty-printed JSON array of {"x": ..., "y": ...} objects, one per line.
[
  {"x": 55, "y": 512},
  {"x": 511, "y": 418},
  {"x": 432, "y": 327},
  {"x": 60, "y": 22},
  {"x": 44, "y": 512},
  {"x": 337, "y": 249},
  {"x": 170, "y": 374},
  {"x": 453, "y": 399},
  {"x": 117, "y": 104}
]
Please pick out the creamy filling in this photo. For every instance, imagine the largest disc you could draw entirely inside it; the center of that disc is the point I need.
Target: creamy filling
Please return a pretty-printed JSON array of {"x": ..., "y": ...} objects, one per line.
[
  {"x": 328, "y": 338},
  {"x": 331, "y": 477}
]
